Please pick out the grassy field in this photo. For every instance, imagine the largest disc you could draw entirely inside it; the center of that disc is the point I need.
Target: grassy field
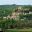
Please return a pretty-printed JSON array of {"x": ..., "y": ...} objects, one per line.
[{"x": 18, "y": 30}]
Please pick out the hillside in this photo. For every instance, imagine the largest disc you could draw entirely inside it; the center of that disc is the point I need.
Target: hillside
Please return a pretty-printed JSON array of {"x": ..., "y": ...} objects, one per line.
[{"x": 8, "y": 9}]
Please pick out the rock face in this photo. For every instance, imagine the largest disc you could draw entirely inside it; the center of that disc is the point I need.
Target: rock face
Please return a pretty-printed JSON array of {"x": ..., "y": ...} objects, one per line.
[{"x": 15, "y": 15}]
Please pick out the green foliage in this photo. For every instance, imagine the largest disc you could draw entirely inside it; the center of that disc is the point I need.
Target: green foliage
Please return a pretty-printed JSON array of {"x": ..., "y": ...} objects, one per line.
[{"x": 7, "y": 10}]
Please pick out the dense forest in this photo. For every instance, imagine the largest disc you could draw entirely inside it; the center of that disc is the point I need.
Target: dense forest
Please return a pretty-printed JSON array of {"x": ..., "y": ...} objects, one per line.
[{"x": 6, "y": 10}]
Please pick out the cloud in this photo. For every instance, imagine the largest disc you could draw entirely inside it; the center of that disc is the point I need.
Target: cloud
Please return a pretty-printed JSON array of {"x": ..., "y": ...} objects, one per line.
[{"x": 18, "y": 2}]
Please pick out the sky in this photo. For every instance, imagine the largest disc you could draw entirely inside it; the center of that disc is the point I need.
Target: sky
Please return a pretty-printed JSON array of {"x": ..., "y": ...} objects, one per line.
[{"x": 17, "y": 2}]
